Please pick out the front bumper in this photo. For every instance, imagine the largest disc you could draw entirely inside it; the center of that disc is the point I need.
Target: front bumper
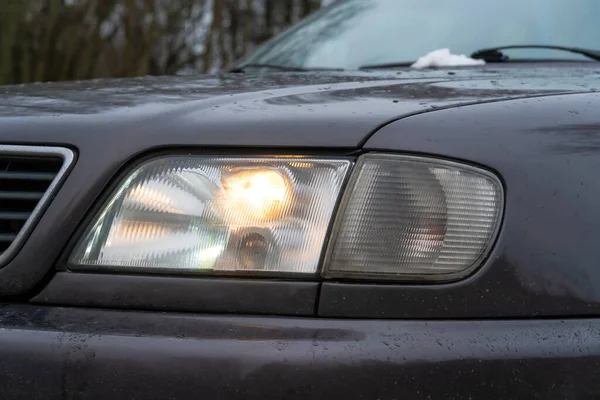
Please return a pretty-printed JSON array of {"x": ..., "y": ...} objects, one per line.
[{"x": 63, "y": 353}]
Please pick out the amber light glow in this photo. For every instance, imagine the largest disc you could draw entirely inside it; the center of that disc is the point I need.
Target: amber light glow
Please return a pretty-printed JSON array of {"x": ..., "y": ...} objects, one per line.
[{"x": 260, "y": 193}]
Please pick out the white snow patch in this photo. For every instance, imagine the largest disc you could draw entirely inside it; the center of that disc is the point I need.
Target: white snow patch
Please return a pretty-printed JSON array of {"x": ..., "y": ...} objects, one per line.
[{"x": 443, "y": 58}]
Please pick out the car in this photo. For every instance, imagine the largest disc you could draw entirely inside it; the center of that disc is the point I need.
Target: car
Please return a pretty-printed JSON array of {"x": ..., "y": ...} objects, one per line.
[{"x": 323, "y": 221}]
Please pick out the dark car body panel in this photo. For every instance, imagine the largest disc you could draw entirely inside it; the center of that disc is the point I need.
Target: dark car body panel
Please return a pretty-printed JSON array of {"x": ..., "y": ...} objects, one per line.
[
  {"x": 189, "y": 294},
  {"x": 112, "y": 122},
  {"x": 545, "y": 262},
  {"x": 60, "y": 353},
  {"x": 523, "y": 326}
]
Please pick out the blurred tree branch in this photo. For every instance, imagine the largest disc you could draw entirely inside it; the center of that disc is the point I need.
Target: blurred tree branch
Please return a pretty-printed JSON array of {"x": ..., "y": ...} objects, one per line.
[{"x": 48, "y": 40}]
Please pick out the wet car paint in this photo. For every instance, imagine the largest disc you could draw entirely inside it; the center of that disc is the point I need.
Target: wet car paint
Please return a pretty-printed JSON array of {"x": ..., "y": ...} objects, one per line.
[
  {"x": 545, "y": 262},
  {"x": 111, "y": 122},
  {"x": 57, "y": 353},
  {"x": 292, "y": 110},
  {"x": 430, "y": 347}
]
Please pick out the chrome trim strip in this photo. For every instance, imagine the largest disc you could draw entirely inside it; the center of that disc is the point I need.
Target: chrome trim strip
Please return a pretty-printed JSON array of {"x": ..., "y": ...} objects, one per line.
[{"x": 68, "y": 157}]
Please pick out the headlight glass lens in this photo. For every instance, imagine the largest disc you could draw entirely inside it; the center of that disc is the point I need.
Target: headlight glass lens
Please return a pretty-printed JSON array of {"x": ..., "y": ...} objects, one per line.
[
  {"x": 406, "y": 217},
  {"x": 201, "y": 214}
]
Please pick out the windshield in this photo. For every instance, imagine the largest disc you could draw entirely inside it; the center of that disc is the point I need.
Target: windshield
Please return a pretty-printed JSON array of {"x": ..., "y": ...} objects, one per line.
[{"x": 355, "y": 33}]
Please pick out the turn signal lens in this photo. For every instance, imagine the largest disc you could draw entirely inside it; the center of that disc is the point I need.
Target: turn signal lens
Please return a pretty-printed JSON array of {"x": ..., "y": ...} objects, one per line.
[
  {"x": 414, "y": 218},
  {"x": 216, "y": 215}
]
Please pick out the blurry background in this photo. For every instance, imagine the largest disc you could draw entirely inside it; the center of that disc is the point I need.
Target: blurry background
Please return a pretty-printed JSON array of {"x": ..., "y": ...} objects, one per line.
[{"x": 50, "y": 40}]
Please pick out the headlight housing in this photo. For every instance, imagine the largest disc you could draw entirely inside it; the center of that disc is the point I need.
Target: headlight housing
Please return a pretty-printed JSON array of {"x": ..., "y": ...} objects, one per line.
[
  {"x": 400, "y": 218},
  {"x": 203, "y": 214}
]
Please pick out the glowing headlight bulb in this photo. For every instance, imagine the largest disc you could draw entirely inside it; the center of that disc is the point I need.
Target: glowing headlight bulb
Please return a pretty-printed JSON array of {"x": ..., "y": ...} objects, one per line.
[{"x": 258, "y": 194}]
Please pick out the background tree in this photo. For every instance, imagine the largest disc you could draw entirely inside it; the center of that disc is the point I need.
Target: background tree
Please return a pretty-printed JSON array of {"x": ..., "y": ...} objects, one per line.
[{"x": 50, "y": 40}]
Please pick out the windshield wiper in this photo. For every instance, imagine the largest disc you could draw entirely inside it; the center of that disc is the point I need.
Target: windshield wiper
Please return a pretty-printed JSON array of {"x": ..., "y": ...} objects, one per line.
[
  {"x": 387, "y": 66},
  {"x": 283, "y": 68},
  {"x": 494, "y": 54}
]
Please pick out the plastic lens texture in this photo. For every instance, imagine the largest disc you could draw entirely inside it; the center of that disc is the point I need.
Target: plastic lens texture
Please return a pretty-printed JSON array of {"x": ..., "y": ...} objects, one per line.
[
  {"x": 415, "y": 218},
  {"x": 214, "y": 214}
]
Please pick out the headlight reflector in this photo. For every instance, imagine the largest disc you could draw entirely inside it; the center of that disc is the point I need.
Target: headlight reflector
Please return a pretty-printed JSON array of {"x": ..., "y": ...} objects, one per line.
[
  {"x": 414, "y": 218},
  {"x": 190, "y": 214}
]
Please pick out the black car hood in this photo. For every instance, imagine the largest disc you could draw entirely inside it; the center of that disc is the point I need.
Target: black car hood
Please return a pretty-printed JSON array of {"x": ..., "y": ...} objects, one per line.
[{"x": 294, "y": 110}]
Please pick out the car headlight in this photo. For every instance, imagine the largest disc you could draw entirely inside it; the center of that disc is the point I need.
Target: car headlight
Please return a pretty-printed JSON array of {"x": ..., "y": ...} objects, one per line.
[
  {"x": 186, "y": 214},
  {"x": 401, "y": 218}
]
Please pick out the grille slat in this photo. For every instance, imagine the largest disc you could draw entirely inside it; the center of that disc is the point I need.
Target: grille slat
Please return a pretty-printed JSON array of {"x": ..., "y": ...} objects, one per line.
[
  {"x": 20, "y": 195},
  {"x": 34, "y": 176},
  {"x": 24, "y": 181},
  {"x": 7, "y": 237},
  {"x": 14, "y": 216}
]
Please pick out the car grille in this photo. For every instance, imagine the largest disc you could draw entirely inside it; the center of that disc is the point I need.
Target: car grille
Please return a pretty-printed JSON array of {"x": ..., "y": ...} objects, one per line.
[{"x": 28, "y": 177}]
